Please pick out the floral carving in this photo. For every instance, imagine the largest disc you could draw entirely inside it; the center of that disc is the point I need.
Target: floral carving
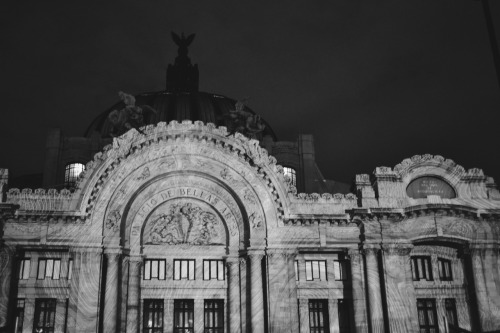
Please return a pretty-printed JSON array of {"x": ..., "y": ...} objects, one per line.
[
  {"x": 249, "y": 197},
  {"x": 255, "y": 221},
  {"x": 113, "y": 221},
  {"x": 185, "y": 223}
]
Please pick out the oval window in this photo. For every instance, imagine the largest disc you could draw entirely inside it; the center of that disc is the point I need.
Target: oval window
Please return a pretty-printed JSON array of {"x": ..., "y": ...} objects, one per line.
[{"x": 424, "y": 186}]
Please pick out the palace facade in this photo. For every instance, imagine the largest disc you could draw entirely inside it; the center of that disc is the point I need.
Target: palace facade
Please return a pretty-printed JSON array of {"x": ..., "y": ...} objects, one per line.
[{"x": 180, "y": 211}]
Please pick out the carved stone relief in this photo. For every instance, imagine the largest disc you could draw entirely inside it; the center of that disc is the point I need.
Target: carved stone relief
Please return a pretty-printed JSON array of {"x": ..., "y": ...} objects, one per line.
[{"x": 184, "y": 221}]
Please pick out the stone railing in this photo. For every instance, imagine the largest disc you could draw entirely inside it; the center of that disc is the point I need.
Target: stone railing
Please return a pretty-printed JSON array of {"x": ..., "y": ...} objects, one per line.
[{"x": 40, "y": 200}]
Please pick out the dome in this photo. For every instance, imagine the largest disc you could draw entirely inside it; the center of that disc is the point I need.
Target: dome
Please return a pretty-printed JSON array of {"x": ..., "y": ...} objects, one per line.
[
  {"x": 171, "y": 105},
  {"x": 180, "y": 101}
]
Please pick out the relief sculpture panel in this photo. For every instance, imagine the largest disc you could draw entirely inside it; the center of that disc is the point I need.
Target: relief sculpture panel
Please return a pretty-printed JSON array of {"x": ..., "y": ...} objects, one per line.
[{"x": 184, "y": 221}]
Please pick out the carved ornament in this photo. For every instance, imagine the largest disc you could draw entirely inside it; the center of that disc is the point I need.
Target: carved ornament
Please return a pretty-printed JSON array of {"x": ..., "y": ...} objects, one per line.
[{"x": 113, "y": 221}]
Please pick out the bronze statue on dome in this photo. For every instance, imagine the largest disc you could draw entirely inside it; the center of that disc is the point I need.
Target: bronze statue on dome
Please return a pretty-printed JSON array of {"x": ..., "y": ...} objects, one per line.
[
  {"x": 183, "y": 42},
  {"x": 131, "y": 116}
]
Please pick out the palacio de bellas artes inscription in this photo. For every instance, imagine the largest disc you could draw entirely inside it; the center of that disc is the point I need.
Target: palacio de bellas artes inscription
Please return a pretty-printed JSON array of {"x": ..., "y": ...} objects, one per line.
[{"x": 181, "y": 211}]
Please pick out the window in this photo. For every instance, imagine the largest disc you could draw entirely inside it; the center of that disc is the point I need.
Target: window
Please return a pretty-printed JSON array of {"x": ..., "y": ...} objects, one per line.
[
  {"x": 45, "y": 314},
  {"x": 49, "y": 268},
  {"x": 451, "y": 313},
  {"x": 444, "y": 266},
  {"x": 18, "y": 325},
  {"x": 315, "y": 270},
  {"x": 214, "y": 316},
  {"x": 213, "y": 269},
  {"x": 296, "y": 270},
  {"x": 154, "y": 269},
  {"x": 318, "y": 316},
  {"x": 340, "y": 270},
  {"x": 72, "y": 172},
  {"x": 290, "y": 173},
  {"x": 153, "y": 316},
  {"x": 183, "y": 316},
  {"x": 24, "y": 269},
  {"x": 344, "y": 316},
  {"x": 184, "y": 269},
  {"x": 421, "y": 268},
  {"x": 427, "y": 317},
  {"x": 70, "y": 269}
]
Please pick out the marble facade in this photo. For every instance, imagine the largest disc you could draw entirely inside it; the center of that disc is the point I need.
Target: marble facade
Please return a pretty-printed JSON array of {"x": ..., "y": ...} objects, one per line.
[{"x": 192, "y": 191}]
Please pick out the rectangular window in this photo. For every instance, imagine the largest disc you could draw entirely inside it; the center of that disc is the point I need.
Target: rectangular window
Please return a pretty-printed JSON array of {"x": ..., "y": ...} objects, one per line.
[
  {"x": 45, "y": 314},
  {"x": 421, "y": 268},
  {"x": 340, "y": 270},
  {"x": 184, "y": 269},
  {"x": 344, "y": 316},
  {"x": 214, "y": 316},
  {"x": 49, "y": 268},
  {"x": 70, "y": 269},
  {"x": 316, "y": 270},
  {"x": 213, "y": 270},
  {"x": 24, "y": 268},
  {"x": 18, "y": 324},
  {"x": 153, "y": 316},
  {"x": 451, "y": 314},
  {"x": 154, "y": 269},
  {"x": 183, "y": 316},
  {"x": 296, "y": 270},
  {"x": 444, "y": 266},
  {"x": 318, "y": 316},
  {"x": 427, "y": 317}
]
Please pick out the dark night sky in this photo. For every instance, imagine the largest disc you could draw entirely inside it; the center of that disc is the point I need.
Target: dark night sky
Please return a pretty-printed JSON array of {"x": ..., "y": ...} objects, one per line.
[{"x": 374, "y": 81}]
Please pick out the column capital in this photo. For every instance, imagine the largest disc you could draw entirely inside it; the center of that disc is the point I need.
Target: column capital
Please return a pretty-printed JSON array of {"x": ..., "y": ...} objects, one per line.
[
  {"x": 398, "y": 249},
  {"x": 281, "y": 253},
  {"x": 255, "y": 255},
  {"x": 353, "y": 253},
  {"x": 370, "y": 250}
]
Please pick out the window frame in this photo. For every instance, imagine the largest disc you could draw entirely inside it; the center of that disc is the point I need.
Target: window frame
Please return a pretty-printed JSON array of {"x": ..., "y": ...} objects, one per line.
[
  {"x": 442, "y": 263},
  {"x": 189, "y": 261},
  {"x": 318, "y": 314},
  {"x": 416, "y": 273},
  {"x": 450, "y": 308},
  {"x": 70, "y": 176},
  {"x": 24, "y": 269},
  {"x": 322, "y": 276},
  {"x": 213, "y": 312},
  {"x": 423, "y": 313},
  {"x": 51, "y": 276},
  {"x": 156, "y": 308},
  {"x": 161, "y": 266},
  {"x": 219, "y": 264},
  {"x": 343, "y": 269},
  {"x": 47, "y": 308},
  {"x": 292, "y": 173},
  {"x": 184, "y": 312}
]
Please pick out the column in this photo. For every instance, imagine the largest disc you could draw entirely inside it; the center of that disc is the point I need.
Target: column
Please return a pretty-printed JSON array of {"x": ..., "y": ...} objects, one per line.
[
  {"x": 358, "y": 292},
  {"x": 123, "y": 294},
  {"x": 292, "y": 285},
  {"x": 199, "y": 314},
  {"x": 88, "y": 295},
  {"x": 374, "y": 295},
  {"x": 73, "y": 291},
  {"x": 7, "y": 260},
  {"x": 244, "y": 292},
  {"x": 401, "y": 301},
  {"x": 304, "y": 315},
  {"x": 256, "y": 295},
  {"x": 233, "y": 296},
  {"x": 111, "y": 295},
  {"x": 168, "y": 315},
  {"x": 60, "y": 314},
  {"x": 333, "y": 315},
  {"x": 133, "y": 297},
  {"x": 483, "y": 307},
  {"x": 279, "y": 291}
]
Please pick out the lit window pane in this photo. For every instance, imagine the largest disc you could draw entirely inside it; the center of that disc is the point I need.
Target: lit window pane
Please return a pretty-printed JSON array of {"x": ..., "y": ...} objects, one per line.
[
  {"x": 221, "y": 270},
  {"x": 191, "y": 269},
  {"x": 41, "y": 269},
  {"x": 206, "y": 270},
  {"x": 177, "y": 270},
  {"x": 184, "y": 269},
  {"x": 296, "y": 270},
  {"x": 57, "y": 269},
  {"x": 309, "y": 275},
  {"x": 213, "y": 269},
  {"x": 72, "y": 172},
  {"x": 162, "y": 270},
  {"x": 147, "y": 270},
  {"x": 49, "y": 268},
  {"x": 154, "y": 269},
  {"x": 315, "y": 270},
  {"x": 322, "y": 270},
  {"x": 70, "y": 269}
]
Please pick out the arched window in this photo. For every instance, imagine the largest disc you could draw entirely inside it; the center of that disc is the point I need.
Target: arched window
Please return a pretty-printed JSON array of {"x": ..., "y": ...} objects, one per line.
[
  {"x": 290, "y": 172},
  {"x": 72, "y": 172}
]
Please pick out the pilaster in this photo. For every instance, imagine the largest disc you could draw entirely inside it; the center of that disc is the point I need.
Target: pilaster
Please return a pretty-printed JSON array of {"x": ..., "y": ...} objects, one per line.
[
  {"x": 304, "y": 315},
  {"x": 88, "y": 290},
  {"x": 7, "y": 263},
  {"x": 358, "y": 292},
  {"x": 133, "y": 297},
  {"x": 111, "y": 307},
  {"x": 233, "y": 292},
  {"x": 257, "y": 293},
  {"x": 374, "y": 296}
]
